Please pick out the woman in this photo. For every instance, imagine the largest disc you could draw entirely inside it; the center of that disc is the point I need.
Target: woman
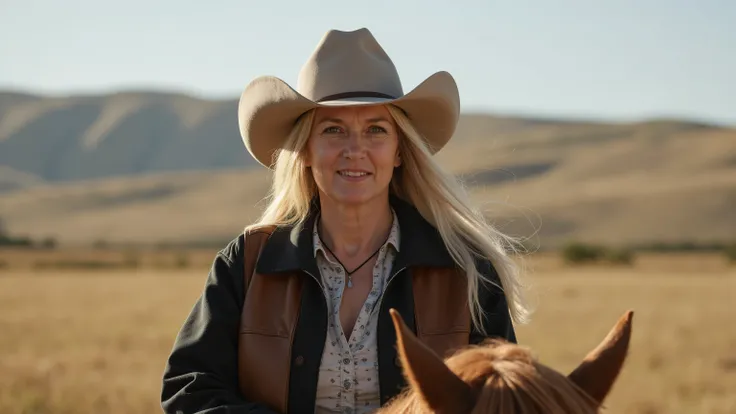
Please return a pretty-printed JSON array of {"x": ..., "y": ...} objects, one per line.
[{"x": 294, "y": 315}]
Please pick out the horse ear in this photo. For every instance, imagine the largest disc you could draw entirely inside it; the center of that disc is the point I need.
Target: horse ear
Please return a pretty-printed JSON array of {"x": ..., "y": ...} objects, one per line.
[
  {"x": 600, "y": 368},
  {"x": 427, "y": 374}
]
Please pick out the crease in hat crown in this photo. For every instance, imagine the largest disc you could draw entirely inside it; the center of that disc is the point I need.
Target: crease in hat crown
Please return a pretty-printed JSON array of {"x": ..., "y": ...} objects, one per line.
[{"x": 365, "y": 65}]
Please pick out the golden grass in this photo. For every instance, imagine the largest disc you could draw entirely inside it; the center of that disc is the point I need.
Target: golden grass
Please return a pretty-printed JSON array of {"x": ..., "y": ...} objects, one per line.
[
  {"x": 115, "y": 258},
  {"x": 90, "y": 342},
  {"x": 683, "y": 352}
]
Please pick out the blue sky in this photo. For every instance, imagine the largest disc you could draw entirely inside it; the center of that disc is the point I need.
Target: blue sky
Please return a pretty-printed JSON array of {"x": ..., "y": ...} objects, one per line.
[{"x": 606, "y": 59}]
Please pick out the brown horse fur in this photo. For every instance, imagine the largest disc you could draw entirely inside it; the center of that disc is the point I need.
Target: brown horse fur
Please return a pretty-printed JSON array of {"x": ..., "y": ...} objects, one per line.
[{"x": 500, "y": 377}]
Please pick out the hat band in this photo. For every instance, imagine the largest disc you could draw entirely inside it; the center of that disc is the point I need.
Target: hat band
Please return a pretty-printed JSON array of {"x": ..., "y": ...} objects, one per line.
[{"x": 361, "y": 94}]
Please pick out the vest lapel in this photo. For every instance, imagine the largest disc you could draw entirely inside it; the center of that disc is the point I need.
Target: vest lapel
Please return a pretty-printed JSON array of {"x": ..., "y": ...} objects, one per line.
[
  {"x": 442, "y": 315},
  {"x": 267, "y": 325}
]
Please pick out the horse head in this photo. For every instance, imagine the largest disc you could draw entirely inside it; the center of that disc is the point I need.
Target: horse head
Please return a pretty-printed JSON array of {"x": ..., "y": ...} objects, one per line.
[{"x": 501, "y": 377}]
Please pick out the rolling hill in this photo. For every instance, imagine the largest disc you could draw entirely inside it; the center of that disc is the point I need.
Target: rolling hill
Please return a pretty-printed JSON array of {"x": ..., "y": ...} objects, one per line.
[
  {"x": 154, "y": 167},
  {"x": 83, "y": 137}
]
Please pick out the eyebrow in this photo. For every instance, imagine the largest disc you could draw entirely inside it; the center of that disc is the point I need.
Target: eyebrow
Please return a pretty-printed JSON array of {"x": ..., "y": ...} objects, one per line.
[
  {"x": 379, "y": 119},
  {"x": 333, "y": 120}
]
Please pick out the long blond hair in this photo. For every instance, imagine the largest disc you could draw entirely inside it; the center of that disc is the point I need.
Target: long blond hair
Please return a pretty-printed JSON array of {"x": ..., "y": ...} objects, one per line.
[{"x": 438, "y": 196}]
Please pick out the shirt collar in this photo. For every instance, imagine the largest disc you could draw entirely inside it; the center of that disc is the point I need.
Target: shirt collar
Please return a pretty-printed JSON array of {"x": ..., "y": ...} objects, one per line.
[
  {"x": 289, "y": 247},
  {"x": 393, "y": 237}
]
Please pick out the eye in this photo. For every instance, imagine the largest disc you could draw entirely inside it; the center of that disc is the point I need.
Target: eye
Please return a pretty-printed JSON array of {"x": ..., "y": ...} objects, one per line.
[
  {"x": 332, "y": 130},
  {"x": 375, "y": 129}
]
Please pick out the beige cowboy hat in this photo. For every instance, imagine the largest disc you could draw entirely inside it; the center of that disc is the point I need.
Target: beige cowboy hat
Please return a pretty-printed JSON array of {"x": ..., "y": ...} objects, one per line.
[{"x": 347, "y": 68}]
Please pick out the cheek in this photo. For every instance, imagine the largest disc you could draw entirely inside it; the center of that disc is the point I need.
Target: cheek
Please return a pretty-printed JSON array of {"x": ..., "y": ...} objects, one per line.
[
  {"x": 321, "y": 156},
  {"x": 387, "y": 156},
  {"x": 314, "y": 152}
]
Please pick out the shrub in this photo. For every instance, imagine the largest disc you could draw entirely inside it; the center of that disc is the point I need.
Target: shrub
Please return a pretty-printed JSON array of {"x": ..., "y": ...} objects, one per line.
[
  {"x": 181, "y": 261},
  {"x": 131, "y": 260},
  {"x": 577, "y": 253},
  {"x": 6, "y": 240},
  {"x": 49, "y": 243},
  {"x": 100, "y": 244},
  {"x": 89, "y": 264},
  {"x": 730, "y": 252},
  {"x": 620, "y": 256}
]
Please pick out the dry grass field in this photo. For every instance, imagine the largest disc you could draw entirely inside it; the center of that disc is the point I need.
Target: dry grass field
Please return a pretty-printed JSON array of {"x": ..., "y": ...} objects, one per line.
[{"x": 96, "y": 341}]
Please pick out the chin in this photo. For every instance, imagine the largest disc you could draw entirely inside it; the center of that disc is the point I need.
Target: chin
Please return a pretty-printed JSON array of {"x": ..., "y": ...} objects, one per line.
[{"x": 353, "y": 198}]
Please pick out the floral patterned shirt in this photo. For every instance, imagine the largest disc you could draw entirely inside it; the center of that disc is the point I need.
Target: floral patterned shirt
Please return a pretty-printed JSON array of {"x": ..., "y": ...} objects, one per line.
[{"x": 348, "y": 374}]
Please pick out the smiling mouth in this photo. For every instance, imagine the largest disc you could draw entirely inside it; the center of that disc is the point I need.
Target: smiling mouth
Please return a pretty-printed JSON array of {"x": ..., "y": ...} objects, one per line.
[{"x": 345, "y": 173}]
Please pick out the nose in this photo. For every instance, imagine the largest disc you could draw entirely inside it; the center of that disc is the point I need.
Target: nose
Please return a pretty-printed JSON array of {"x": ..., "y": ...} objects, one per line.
[{"x": 354, "y": 146}]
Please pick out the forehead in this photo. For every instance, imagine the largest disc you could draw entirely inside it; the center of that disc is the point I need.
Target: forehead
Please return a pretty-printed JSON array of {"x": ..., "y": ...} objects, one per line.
[{"x": 359, "y": 112}]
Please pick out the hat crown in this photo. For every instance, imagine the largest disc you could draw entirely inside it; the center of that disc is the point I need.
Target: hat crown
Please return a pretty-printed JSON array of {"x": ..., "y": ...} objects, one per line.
[{"x": 348, "y": 64}]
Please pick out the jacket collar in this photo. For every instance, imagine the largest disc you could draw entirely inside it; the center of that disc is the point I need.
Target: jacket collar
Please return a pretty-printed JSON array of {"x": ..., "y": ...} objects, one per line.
[{"x": 290, "y": 248}]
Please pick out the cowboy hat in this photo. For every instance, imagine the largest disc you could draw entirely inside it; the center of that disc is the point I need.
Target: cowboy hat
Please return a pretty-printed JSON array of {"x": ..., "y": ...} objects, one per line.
[{"x": 346, "y": 68}]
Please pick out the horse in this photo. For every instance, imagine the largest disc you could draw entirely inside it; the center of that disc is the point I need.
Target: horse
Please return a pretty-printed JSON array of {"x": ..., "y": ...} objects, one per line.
[{"x": 504, "y": 378}]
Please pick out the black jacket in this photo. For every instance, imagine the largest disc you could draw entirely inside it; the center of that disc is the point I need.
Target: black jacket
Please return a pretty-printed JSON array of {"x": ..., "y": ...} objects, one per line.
[{"x": 201, "y": 374}]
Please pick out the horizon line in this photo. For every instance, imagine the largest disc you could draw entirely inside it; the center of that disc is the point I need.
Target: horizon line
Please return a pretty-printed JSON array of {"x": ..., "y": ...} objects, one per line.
[{"x": 473, "y": 110}]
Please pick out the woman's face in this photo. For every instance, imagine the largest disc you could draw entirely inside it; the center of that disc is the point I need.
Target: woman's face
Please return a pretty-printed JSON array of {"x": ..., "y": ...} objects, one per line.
[{"x": 352, "y": 152}]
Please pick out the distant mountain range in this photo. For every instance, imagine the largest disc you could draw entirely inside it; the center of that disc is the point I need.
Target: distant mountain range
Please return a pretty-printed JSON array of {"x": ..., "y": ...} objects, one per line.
[
  {"x": 83, "y": 137},
  {"x": 154, "y": 167}
]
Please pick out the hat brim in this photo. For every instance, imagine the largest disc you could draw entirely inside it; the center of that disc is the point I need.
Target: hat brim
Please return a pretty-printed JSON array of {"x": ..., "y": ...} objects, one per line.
[{"x": 269, "y": 107}]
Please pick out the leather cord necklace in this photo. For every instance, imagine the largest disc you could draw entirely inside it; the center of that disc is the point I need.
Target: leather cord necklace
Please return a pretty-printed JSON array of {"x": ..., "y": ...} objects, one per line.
[{"x": 349, "y": 273}]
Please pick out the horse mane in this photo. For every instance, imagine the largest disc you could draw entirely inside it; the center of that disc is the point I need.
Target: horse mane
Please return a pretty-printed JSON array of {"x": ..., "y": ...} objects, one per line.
[
  {"x": 500, "y": 377},
  {"x": 506, "y": 379}
]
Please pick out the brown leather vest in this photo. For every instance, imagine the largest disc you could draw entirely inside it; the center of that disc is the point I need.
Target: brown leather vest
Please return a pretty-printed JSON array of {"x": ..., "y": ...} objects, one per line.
[{"x": 271, "y": 310}]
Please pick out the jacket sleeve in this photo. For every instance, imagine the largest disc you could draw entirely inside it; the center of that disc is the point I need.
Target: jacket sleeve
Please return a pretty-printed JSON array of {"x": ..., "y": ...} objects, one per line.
[
  {"x": 497, "y": 319},
  {"x": 201, "y": 373}
]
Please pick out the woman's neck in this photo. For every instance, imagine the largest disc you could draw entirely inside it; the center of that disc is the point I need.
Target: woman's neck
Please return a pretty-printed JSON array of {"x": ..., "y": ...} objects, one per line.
[{"x": 354, "y": 231}]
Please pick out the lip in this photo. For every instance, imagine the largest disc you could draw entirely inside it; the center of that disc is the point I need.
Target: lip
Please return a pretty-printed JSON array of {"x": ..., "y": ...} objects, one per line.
[{"x": 353, "y": 178}]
